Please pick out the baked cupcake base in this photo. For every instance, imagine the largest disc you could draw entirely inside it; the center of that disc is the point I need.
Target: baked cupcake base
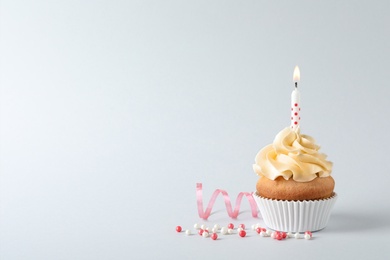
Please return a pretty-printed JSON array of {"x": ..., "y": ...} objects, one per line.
[
  {"x": 281, "y": 189},
  {"x": 295, "y": 216}
]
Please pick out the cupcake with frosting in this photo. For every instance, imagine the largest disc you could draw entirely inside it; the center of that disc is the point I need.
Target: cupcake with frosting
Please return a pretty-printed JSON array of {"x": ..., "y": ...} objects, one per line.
[{"x": 295, "y": 190}]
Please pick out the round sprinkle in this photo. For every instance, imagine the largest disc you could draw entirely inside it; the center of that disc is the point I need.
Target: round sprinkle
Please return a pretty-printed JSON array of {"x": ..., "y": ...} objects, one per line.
[
  {"x": 230, "y": 225},
  {"x": 258, "y": 230},
  {"x": 203, "y": 226},
  {"x": 214, "y": 236},
  {"x": 242, "y": 233},
  {"x": 224, "y": 230},
  {"x": 200, "y": 231},
  {"x": 178, "y": 229},
  {"x": 217, "y": 226},
  {"x": 230, "y": 231},
  {"x": 297, "y": 235},
  {"x": 196, "y": 226},
  {"x": 205, "y": 234},
  {"x": 242, "y": 226},
  {"x": 307, "y": 236},
  {"x": 188, "y": 232},
  {"x": 214, "y": 230}
]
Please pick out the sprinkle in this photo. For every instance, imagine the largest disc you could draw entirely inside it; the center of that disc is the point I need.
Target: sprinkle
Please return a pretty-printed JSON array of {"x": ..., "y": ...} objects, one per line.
[
  {"x": 242, "y": 233},
  {"x": 224, "y": 230}
]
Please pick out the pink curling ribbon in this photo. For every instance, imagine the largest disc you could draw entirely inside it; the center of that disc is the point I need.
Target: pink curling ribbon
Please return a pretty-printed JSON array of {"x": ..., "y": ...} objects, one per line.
[{"x": 232, "y": 214}]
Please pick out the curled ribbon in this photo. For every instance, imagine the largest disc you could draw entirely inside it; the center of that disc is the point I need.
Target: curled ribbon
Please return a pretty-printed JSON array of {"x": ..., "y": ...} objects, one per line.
[{"x": 233, "y": 214}]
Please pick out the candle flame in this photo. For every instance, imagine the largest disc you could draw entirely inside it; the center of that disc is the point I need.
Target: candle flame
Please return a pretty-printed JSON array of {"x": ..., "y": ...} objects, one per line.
[{"x": 297, "y": 74}]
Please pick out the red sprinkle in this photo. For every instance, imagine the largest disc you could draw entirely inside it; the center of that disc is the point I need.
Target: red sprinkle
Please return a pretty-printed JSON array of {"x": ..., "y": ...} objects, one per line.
[
  {"x": 258, "y": 230},
  {"x": 284, "y": 234},
  {"x": 242, "y": 233},
  {"x": 178, "y": 229},
  {"x": 308, "y": 233},
  {"x": 201, "y": 231},
  {"x": 214, "y": 236},
  {"x": 230, "y": 225},
  {"x": 278, "y": 236},
  {"x": 241, "y": 226}
]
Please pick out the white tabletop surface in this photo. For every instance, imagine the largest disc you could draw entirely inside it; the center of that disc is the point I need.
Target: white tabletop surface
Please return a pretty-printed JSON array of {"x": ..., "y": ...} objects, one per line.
[{"x": 112, "y": 111}]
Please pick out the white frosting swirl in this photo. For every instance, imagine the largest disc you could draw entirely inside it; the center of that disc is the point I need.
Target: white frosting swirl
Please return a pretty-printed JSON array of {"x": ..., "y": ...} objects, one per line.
[{"x": 292, "y": 155}]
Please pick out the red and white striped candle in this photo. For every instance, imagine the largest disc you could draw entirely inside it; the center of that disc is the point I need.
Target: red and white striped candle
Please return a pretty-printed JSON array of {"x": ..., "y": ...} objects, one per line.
[{"x": 295, "y": 101}]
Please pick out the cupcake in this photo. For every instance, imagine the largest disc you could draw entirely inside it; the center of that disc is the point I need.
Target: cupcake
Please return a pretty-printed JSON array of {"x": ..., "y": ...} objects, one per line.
[{"x": 295, "y": 190}]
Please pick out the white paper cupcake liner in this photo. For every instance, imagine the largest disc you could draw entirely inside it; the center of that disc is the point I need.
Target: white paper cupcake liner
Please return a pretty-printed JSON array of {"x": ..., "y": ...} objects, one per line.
[{"x": 295, "y": 216}]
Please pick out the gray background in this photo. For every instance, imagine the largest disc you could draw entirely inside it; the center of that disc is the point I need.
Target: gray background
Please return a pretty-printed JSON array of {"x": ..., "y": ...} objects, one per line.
[{"x": 112, "y": 111}]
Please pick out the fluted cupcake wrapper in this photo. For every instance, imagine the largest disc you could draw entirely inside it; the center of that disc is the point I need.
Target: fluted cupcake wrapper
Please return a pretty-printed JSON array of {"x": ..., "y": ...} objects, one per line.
[{"x": 295, "y": 216}]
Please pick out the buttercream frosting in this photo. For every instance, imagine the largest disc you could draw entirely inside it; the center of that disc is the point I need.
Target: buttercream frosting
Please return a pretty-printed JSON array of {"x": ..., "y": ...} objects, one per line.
[{"x": 292, "y": 155}]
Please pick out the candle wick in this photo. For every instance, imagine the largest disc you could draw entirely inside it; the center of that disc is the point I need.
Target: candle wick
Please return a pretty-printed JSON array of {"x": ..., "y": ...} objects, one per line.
[{"x": 296, "y": 84}]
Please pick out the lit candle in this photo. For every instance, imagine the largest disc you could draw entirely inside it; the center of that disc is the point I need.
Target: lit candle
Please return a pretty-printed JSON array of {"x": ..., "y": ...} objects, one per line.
[{"x": 295, "y": 101}]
